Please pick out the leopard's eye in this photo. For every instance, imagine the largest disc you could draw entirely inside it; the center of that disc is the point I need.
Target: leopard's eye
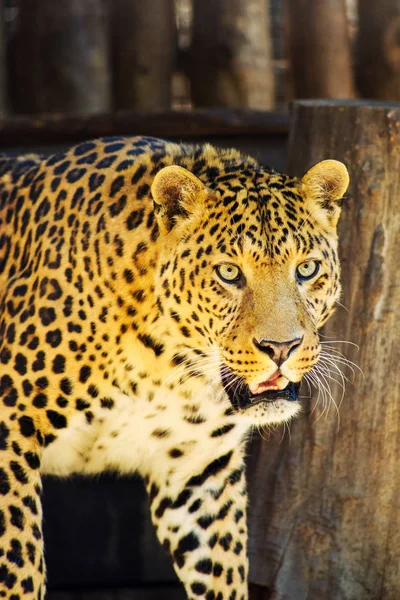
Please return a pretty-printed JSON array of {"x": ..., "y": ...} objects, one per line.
[
  {"x": 229, "y": 273},
  {"x": 307, "y": 270}
]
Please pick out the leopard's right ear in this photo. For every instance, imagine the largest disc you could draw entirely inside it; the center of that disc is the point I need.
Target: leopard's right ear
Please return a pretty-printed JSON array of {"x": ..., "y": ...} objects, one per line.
[
  {"x": 177, "y": 193},
  {"x": 323, "y": 187}
]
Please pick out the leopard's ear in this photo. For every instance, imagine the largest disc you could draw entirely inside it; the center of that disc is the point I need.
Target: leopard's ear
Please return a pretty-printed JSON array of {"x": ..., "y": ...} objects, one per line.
[
  {"x": 176, "y": 193},
  {"x": 323, "y": 187}
]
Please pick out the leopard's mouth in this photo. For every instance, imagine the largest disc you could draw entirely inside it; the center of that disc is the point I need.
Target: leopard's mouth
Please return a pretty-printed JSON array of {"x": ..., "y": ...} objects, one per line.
[
  {"x": 290, "y": 393},
  {"x": 243, "y": 396}
]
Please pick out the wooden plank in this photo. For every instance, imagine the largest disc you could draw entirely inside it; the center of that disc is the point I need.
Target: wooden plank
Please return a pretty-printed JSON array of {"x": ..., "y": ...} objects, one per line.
[
  {"x": 325, "y": 501},
  {"x": 144, "y": 43},
  {"x": 378, "y": 49},
  {"x": 3, "y": 87},
  {"x": 61, "y": 62},
  {"x": 231, "y": 57},
  {"x": 178, "y": 124},
  {"x": 319, "y": 49}
]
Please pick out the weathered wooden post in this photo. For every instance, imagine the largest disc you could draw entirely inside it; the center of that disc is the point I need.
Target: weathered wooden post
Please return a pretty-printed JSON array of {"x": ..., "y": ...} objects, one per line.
[
  {"x": 144, "y": 49},
  {"x": 3, "y": 91},
  {"x": 379, "y": 49},
  {"x": 62, "y": 62},
  {"x": 319, "y": 49},
  {"x": 325, "y": 500},
  {"x": 231, "y": 62}
]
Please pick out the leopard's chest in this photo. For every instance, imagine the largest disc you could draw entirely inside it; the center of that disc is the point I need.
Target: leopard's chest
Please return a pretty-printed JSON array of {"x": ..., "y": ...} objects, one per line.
[{"x": 163, "y": 436}]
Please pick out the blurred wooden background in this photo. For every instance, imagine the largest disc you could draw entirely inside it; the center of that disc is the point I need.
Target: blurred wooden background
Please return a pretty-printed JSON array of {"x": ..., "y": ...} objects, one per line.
[{"x": 101, "y": 56}]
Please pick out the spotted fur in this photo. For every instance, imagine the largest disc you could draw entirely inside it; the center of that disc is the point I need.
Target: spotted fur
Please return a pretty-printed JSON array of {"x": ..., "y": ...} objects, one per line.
[{"x": 115, "y": 330}]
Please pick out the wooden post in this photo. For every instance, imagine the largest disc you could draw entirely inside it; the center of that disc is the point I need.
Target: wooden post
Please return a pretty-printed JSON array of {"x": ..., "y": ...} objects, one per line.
[
  {"x": 231, "y": 62},
  {"x": 379, "y": 49},
  {"x": 3, "y": 89},
  {"x": 62, "y": 57},
  {"x": 144, "y": 49},
  {"x": 325, "y": 500},
  {"x": 319, "y": 49}
]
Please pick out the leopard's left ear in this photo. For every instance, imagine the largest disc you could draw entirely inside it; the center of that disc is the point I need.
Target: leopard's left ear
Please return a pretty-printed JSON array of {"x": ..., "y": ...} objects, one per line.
[
  {"x": 177, "y": 193},
  {"x": 323, "y": 187}
]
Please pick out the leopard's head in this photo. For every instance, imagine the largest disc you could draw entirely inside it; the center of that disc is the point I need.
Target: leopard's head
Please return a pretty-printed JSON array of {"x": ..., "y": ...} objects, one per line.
[{"x": 248, "y": 273}]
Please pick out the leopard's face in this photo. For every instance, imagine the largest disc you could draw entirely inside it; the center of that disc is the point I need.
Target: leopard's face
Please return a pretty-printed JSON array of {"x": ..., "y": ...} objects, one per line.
[{"x": 248, "y": 274}]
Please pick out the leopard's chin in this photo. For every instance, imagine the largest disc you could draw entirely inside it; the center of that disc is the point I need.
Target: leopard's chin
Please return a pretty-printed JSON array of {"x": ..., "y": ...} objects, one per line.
[{"x": 270, "y": 412}]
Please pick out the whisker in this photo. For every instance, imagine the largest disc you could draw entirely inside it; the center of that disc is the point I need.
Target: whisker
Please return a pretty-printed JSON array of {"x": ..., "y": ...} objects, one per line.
[
  {"x": 344, "y": 361},
  {"x": 330, "y": 341},
  {"x": 333, "y": 401},
  {"x": 327, "y": 362},
  {"x": 315, "y": 380},
  {"x": 342, "y": 305}
]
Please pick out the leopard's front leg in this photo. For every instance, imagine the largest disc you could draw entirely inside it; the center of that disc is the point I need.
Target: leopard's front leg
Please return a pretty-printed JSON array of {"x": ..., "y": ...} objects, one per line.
[{"x": 202, "y": 523}]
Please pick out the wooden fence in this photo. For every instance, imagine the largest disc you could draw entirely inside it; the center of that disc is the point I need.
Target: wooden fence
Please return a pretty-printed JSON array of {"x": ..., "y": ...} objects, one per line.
[{"x": 101, "y": 56}]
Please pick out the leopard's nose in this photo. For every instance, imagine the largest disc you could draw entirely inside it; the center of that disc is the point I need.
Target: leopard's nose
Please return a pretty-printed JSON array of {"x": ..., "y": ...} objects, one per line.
[{"x": 279, "y": 352}]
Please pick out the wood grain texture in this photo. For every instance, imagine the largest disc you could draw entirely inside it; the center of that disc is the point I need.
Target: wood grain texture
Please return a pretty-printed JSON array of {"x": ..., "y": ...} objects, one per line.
[
  {"x": 378, "y": 64},
  {"x": 325, "y": 501},
  {"x": 231, "y": 62},
  {"x": 3, "y": 88},
  {"x": 319, "y": 49},
  {"x": 144, "y": 52},
  {"x": 172, "y": 123},
  {"x": 61, "y": 62}
]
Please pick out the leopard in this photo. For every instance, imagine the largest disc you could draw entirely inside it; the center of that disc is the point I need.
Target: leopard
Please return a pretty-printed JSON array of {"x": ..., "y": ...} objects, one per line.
[{"x": 159, "y": 302}]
